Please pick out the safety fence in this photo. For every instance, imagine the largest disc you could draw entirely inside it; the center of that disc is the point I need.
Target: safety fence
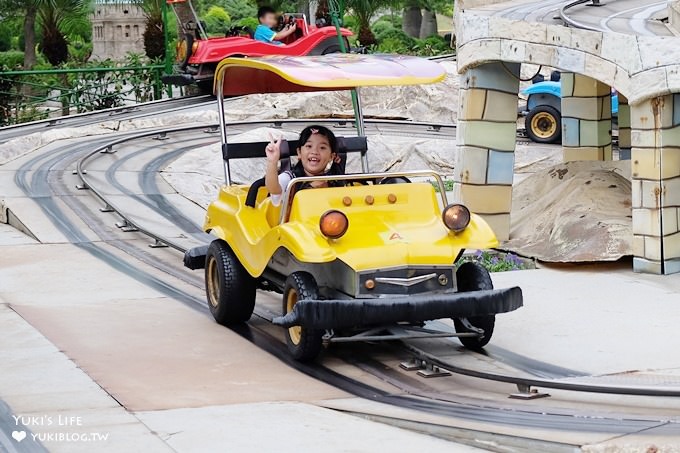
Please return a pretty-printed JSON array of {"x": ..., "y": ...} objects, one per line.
[{"x": 40, "y": 94}]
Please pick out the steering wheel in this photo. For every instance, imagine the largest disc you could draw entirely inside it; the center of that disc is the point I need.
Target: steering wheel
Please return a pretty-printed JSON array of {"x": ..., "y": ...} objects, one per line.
[{"x": 284, "y": 21}]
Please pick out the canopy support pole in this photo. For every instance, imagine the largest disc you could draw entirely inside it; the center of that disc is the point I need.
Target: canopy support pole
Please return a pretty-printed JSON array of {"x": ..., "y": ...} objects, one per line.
[
  {"x": 356, "y": 102},
  {"x": 219, "y": 80}
]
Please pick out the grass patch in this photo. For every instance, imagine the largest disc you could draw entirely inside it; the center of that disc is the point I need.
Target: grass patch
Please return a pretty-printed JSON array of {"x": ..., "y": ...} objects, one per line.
[{"x": 495, "y": 261}]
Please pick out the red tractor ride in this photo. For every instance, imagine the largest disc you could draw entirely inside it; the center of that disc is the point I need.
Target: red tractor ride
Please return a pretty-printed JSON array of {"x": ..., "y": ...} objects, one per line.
[{"x": 198, "y": 54}]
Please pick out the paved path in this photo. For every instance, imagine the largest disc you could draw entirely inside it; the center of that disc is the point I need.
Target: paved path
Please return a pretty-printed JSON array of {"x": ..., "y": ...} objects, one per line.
[{"x": 638, "y": 17}]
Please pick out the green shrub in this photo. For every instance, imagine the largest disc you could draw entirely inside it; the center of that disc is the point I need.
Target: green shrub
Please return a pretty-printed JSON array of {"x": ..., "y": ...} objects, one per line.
[
  {"x": 79, "y": 52},
  {"x": 216, "y": 20},
  {"x": 434, "y": 45},
  {"x": 250, "y": 22},
  {"x": 11, "y": 60},
  {"x": 394, "y": 20},
  {"x": 239, "y": 9},
  {"x": 497, "y": 261},
  {"x": 351, "y": 23},
  {"x": 397, "y": 35},
  {"x": 381, "y": 29}
]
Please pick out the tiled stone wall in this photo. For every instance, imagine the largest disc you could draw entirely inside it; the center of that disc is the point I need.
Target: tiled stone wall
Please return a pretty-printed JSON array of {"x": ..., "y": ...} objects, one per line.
[
  {"x": 586, "y": 118},
  {"x": 487, "y": 129},
  {"x": 624, "y": 128},
  {"x": 640, "y": 67},
  {"x": 656, "y": 184}
]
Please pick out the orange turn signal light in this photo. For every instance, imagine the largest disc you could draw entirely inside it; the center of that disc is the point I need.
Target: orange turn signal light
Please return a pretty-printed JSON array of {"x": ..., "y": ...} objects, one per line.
[
  {"x": 456, "y": 217},
  {"x": 333, "y": 224}
]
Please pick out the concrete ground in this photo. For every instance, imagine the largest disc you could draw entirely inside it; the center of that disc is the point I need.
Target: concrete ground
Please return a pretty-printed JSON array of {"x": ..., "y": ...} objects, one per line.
[
  {"x": 93, "y": 360},
  {"x": 92, "y": 352}
]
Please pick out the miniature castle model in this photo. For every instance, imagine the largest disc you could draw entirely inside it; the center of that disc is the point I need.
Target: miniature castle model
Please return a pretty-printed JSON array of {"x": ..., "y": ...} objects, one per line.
[{"x": 116, "y": 30}]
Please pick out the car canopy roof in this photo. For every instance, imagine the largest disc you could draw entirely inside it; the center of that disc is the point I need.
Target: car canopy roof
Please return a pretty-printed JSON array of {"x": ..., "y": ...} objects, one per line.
[{"x": 281, "y": 74}]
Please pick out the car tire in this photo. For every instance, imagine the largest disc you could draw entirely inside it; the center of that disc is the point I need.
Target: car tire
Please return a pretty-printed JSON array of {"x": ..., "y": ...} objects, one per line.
[
  {"x": 331, "y": 49},
  {"x": 229, "y": 287},
  {"x": 303, "y": 344},
  {"x": 544, "y": 124},
  {"x": 474, "y": 277}
]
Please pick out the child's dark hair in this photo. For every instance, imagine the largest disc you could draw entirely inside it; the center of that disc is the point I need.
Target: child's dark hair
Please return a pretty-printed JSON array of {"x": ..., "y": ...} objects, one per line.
[
  {"x": 314, "y": 129},
  {"x": 264, "y": 10}
]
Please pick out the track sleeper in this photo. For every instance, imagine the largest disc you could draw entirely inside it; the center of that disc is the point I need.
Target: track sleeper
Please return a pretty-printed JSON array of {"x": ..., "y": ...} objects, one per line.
[
  {"x": 412, "y": 365},
  {"x": 431, "y": 371},
  {"x": 527, "y": 393},
  {"x": 158, "y": 244},
  {"x": 126, "y": 226},
  {"x": 82, "y": 186},
  {"x": 106, "y": 208}
]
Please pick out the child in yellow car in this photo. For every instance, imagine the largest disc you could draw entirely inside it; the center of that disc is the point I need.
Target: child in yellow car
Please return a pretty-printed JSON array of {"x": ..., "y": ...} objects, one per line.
[{"x": 317, "y": 156}]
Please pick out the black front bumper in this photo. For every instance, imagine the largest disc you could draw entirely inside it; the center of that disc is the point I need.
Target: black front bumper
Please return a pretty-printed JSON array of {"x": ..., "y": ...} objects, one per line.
[{"x": 335, "y": 314}]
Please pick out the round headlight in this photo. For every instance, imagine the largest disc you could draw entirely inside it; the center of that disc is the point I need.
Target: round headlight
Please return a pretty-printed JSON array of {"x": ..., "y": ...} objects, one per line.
[
  {"x": 456, "y": 217},
  {"x": 333, "y": 224},
  {"x": 182, "y": 50}
]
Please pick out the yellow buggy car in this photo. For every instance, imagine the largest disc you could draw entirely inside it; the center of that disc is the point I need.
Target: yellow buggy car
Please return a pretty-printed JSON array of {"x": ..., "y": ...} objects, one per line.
[{"x": 373, "y": 257}]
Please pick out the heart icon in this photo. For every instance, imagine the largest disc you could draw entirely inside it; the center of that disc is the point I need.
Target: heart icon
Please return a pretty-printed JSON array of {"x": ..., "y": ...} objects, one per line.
[{"x": 19, "y": 435}]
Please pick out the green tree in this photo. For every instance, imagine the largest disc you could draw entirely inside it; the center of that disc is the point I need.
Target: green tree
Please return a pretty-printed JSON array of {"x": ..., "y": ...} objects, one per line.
[
  {"x": 27, "y": 10},
  {"x": 57, "y": 19},
  {"x": 5, "y": 38},
  {"x": 154, "y": 40},
  {"x": 363, "y": 11},
  {"x": 412, "y": 18}
]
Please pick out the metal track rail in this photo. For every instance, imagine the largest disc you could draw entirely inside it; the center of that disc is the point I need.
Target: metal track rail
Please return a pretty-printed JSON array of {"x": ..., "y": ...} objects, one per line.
[
  {"x": 524, "y": 384},
  {"x": 571, "y": 22}
]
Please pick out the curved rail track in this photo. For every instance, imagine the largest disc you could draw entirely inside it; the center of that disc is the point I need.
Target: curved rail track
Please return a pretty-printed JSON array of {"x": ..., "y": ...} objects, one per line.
[
  {"x": 42, "y": 177},
  {"x": 193, "y": 228}
]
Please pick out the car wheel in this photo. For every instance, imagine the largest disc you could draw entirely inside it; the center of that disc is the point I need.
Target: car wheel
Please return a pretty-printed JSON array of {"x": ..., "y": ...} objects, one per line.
[
  {"x": 331, "y": 49},
  {"x": 303, "y": 344},
  {"x": 544, "y": 124},
  {"x": 229, "y": 287},
  {"x": 474, "y": 277}
]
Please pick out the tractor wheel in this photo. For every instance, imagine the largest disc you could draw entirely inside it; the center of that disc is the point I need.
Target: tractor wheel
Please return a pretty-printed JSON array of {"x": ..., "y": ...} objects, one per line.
[
  {"x": 303, "y": 344},
  {"x": 474, "y": 277},
  {"x": 544, "y": 124},
  {"x": 229, "y": 287}
]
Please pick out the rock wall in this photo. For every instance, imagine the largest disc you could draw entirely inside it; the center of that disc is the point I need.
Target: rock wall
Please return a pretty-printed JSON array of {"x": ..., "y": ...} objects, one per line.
[{"x": 674, "y": 15}]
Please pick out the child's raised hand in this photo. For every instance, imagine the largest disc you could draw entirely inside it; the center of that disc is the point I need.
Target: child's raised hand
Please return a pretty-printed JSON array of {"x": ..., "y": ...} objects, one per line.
[{"x": 273, "y": 149}]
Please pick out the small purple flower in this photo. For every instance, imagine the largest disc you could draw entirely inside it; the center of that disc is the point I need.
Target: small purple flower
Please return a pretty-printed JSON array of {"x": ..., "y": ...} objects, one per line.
[
  {"x": 494, "y": 260},
  {"x": 478, "y": 254}
]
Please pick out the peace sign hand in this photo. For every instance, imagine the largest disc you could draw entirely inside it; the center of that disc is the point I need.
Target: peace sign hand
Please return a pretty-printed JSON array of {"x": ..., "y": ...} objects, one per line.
[{"x": 273, "y": 149}]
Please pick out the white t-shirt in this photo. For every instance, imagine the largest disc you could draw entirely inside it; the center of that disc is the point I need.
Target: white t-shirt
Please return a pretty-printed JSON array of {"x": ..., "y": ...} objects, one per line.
[{"x": 284, "y": 179}]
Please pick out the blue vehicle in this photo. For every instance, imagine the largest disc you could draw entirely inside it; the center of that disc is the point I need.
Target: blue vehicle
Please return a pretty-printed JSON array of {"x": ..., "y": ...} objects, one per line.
[{"x": 543, "y": 112}]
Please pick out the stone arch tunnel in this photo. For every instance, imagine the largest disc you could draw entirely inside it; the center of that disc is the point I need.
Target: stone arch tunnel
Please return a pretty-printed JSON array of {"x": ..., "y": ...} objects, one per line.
[{"x": 644, "y": 70}]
